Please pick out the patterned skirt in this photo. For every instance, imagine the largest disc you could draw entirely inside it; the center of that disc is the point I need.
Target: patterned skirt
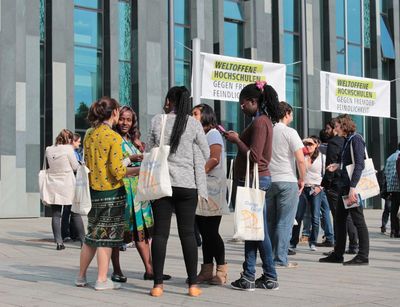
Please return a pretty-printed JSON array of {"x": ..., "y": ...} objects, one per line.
[{"x": 106, "y": 218}]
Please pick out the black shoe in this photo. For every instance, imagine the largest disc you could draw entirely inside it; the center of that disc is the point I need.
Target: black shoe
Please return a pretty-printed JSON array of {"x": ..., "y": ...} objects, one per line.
[
  {"x": 266, "y": 283},
  {"x": 324, "y": 244},
  {"x": 332, "y": 258},
  {"x": 244, "y": 284},
  {"x": 151, "y": 277},
  {"x": 351, "y": 251},
  {"x": 60, "y": 246},
  {"x": 383, "y": 229},
  {"x": 291, "y": 252},
  {"x": 118, "y": 278},
  {"x": 328, "y": 253},
  {"x": 67, "y": 239},
  {"x": 357, "y": 260}
]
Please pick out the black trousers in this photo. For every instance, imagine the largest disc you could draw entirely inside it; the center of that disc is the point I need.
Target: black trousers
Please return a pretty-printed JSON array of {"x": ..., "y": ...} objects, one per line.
[
  {"x": 357, "y": 216},
  {"x": 57, "y": 224},
  {"x": 394, "y": 220},
  {"x": 183, "y": 202},
  {"x": 213, "y": 246},
  {"x": 333, "y": 199}
]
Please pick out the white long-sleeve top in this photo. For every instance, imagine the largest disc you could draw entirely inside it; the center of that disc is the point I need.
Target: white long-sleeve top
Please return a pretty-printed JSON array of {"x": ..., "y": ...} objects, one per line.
[{"x": 60, "y": 174}]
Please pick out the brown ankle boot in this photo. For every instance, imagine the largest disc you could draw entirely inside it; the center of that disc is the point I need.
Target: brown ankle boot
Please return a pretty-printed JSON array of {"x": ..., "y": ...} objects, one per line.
[
  {"x": 221, "y": 276},
  {"x": 206, "y": 273}
]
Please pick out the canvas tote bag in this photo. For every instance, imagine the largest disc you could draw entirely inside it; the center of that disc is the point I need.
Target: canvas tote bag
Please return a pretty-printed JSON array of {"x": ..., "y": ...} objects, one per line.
[
  {"x": 154, "y": 181},
  {"x": 368, "y": 185},
  {"x": 249, "y": 216},
  {"x": 229, "y": 183},
  {"x": 43, "y": 184},
  {"x": 82, "y": 201}
]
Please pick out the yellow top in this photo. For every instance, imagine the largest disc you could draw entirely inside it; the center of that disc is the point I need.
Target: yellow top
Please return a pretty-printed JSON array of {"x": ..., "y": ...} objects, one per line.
[{"x": 103, "y": 157}]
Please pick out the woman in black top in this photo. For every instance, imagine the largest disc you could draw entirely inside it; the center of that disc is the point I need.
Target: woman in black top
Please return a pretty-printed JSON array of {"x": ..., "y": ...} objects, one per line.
[{"x": 347, "y": 186}]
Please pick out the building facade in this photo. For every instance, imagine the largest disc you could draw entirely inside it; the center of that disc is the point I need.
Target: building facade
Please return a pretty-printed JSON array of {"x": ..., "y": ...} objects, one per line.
[{"x": 58, "y": 56}]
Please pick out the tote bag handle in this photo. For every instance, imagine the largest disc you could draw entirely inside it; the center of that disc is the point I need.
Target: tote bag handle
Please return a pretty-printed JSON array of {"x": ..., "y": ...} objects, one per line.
[{"x": 256, "y": 179}]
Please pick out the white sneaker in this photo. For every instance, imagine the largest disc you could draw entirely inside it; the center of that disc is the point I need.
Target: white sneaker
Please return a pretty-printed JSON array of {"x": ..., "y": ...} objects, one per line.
[
  {"x": 313, "y": 248},
  {"x": 106, "y": 285}
]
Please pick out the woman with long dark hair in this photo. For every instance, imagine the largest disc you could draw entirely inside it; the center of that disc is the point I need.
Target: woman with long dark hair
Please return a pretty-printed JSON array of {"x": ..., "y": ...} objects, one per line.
[
  {"x": 188, "y": 150},
  {"x": 209, "y": 214},
  {"x": 259, "y": 101},
  {"x": 104, "y": 158}
]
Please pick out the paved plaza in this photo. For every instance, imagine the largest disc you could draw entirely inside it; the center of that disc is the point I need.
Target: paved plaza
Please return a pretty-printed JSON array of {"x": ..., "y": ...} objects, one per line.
[{"x": 34, "y": 273}]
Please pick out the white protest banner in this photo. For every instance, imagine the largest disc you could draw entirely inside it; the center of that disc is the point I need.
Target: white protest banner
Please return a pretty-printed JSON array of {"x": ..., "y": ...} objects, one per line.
[
  {"x": 224, "y": 77},
  {"x": 354, "y": 95}
]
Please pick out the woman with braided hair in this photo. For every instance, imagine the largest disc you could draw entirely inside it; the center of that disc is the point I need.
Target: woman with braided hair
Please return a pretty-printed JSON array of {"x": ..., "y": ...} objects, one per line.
[{"x": 259, "y": 101}]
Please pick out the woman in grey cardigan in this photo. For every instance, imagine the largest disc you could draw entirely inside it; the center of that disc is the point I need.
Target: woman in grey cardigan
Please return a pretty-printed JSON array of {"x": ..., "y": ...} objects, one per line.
[{"x": 188, "y": 152}]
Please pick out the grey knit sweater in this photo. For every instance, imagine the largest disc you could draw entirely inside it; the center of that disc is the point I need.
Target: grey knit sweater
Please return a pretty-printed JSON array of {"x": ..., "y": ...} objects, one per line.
[{"x": 186, "y": 165}]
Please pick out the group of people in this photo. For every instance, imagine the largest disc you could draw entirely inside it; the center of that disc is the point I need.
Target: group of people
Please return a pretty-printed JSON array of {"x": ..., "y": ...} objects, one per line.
[{"x": 293, "y": 173}]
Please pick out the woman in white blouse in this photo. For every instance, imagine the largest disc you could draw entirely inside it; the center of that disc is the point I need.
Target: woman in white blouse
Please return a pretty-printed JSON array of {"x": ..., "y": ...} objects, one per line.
[{"x": 61, "y": 183}]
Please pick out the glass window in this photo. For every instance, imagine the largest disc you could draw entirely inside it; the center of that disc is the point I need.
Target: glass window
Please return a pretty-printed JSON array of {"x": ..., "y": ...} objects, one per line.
[
  {"x": 182, "y": 73},
  {"x": 354, "y": 60},
  {"x": 291, "y": 15},
  {"x": 386, "y": 40},
  {"x": 42, "y": 20},
  {"x": 87, "y": 28},
  {"x": 233, "y": 37},
  {"x": 293, "y": 90},
  {"x": 354, "y": 21},
  {"x": 340, "y": 18},
  {"x": 125, "y": 24},
  {"x": 182, "y": 43},
  {"x": 88, "y": 76},
  {"x": 341, "y": 56},
  {"x": 292, "y": 53},
  {"x": 94, "y": 4},
  {"x": 125, "y": 83},
  {"x": 367, "y": 24},
  {"x": 233, "y": 10},
  {"x": 181, "y": 12}
]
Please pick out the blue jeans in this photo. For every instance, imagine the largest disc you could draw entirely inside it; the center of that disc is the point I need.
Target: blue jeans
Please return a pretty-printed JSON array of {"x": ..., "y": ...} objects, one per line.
[
  {"x": 282, "y": 199},
  {"x": 325, "y": 211},
  {"x": 314, "y": 202},
  {"x": 265, "y": 248}
]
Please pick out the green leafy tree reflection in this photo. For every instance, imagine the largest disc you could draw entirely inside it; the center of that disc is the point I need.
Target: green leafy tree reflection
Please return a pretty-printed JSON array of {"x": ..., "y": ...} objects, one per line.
[{"x": 81, "y": 116}]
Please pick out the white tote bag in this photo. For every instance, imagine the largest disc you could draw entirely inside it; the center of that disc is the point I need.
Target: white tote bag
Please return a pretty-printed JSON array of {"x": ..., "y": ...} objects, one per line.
[
  {"x": 249, "y": 215},
  {"x": 154, "y": 181},
  {"x": 82, "y": 202},
  {"x": 43, "y": 184},
  {"x": 368, "y": 185},
  {"x": 229, "y": 183}
]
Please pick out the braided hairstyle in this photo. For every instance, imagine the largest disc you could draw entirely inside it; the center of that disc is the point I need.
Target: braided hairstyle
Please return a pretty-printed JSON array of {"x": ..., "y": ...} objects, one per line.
[
  {"x": 133, "y": 131},
  {"x": 266, "y": 97},
  {"x": 179, "y": 99}
]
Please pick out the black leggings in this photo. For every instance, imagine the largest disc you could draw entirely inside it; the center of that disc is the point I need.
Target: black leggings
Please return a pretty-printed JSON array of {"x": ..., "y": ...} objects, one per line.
[
  {"x": 213, "y": 245},
  {"x": 184, "y": 202},
  {"x": 56, "y": 223}
]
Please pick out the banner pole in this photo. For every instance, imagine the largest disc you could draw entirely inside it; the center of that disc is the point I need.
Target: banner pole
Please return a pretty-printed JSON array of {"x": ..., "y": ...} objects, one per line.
[
  {"x": 304, "y": 67},
  {"x": 196, "y": 71}
]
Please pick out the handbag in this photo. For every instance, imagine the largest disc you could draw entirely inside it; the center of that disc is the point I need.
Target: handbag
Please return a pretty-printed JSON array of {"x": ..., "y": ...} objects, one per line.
[
  {"x": 229, "y": 183},
  {"x": 154, "y": 180},
  {"x": 82, "y": 202},
  {"x": 249, "y": 209},
  {"x": 368, "y": 185},
  {"x": 43, "y": 183}
]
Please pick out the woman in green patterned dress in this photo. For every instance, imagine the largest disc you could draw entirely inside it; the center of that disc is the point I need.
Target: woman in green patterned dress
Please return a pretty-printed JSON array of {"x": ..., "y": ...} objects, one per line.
[{"x": 138, "y": 215}]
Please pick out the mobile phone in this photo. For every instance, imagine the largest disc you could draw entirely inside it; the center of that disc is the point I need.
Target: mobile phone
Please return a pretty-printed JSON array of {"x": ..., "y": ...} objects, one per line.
[{"x": 221, "y": 129}]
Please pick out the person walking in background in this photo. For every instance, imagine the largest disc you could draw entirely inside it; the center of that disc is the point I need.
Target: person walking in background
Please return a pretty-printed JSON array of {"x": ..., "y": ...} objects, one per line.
[
  {"x": 138, "y": 215},
  {"x": 188, "y": 152},
  {"x": 312, "y": 193},
  {"x": 209, "y": 214},
  {"x": 61, "y": 184},
  {"x": 283, "y": 196},
  {"x": 393, "y": 187},
  {"x": 259, "y": 101},
  {"x": 68, "y": 228},
  {"x": 104, "y": 158},
  {"x": 347, "y": 187}
]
